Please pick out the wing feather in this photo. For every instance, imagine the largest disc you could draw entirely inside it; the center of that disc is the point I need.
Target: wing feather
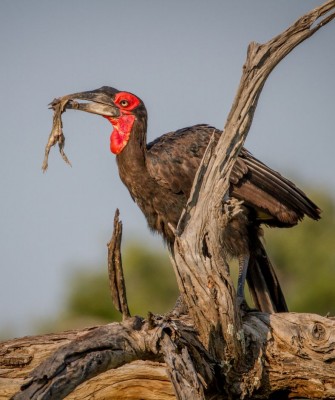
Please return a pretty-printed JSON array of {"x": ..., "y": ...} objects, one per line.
[{"x": 173, "y": 159}]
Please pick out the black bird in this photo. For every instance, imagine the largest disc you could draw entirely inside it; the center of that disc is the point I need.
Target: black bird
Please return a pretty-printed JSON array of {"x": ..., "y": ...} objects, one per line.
[{"x": 159, "y": 177}]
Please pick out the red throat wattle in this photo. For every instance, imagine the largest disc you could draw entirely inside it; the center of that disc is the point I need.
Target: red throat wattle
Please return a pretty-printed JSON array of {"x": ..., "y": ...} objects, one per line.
[{"x": 122, "y": 127}]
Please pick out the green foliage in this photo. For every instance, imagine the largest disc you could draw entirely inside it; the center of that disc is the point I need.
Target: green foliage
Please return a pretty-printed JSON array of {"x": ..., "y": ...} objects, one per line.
[
  {"x": 150, "y": 280},
  {"x": 89, "y": 296},
  {"x": 150, "y": 285},
  {"x": 305, "y": 257}
]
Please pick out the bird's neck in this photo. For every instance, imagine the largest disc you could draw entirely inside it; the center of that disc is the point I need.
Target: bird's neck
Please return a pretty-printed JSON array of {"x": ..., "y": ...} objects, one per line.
[{"x": 131, "y": 161}]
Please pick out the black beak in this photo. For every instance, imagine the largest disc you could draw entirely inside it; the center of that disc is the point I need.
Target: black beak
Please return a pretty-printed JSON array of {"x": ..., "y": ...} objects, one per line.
[{"x": 98, "y": 103}]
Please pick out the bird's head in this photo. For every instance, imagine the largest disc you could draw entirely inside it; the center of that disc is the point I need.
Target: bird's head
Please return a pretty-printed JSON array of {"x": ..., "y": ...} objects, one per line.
[{"x": 122, "y": 109}]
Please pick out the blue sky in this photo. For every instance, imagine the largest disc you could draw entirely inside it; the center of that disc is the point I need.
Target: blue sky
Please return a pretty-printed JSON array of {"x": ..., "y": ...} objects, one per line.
[{"x": 184, "y": 59}]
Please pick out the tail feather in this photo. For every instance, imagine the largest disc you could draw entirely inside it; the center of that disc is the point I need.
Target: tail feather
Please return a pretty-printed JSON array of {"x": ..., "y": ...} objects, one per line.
[{"x": 263, "y": 283}]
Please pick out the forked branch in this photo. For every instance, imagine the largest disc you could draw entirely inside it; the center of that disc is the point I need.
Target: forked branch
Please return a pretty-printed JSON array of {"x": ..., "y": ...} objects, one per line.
[{"x": 205, "y": 275}]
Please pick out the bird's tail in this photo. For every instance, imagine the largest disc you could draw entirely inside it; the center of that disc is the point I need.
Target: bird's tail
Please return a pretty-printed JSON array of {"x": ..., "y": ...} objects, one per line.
[{"x": 263, "y": 283}]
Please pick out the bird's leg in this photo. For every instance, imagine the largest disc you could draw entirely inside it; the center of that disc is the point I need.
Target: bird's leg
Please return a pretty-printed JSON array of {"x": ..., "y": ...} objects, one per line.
[{"x": 243, "y": 262}]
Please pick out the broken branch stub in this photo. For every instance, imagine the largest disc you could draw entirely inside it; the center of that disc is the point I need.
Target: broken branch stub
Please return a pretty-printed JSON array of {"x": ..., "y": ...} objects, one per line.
[{"x": 115, "y": 270}]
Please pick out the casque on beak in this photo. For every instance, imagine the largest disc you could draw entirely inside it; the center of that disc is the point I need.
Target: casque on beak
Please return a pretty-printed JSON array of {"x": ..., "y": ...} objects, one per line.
[{"x": 97, "y": 103}]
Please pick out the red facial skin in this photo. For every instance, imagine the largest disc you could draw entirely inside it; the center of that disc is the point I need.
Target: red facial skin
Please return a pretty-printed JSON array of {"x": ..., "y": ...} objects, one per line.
[{"x": 124, "y": 123}]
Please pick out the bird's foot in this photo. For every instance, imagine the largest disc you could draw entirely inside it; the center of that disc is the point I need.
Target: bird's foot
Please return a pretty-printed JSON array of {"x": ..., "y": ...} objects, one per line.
[{"x": 242, "y": 304}]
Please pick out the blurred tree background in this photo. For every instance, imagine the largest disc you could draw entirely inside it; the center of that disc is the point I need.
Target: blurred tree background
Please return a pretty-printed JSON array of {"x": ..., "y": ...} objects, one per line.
[
  {"x": 304, "y": 256},
  {"x": 150, "y": 285}
]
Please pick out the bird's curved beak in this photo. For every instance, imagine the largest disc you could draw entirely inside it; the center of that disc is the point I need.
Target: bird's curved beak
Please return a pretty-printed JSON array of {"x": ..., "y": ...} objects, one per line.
[{"x": 97, "y": 103}]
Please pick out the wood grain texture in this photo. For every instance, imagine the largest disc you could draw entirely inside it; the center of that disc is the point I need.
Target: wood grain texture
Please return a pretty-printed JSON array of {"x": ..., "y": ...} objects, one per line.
[{"x": 285, "y": 353}]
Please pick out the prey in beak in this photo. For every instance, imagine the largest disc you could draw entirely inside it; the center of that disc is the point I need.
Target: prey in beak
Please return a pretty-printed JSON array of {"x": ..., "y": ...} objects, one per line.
[{"x": 96, "y": 102}]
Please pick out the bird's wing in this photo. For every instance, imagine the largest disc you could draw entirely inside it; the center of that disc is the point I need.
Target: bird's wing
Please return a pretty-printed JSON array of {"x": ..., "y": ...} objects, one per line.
[
  {"x": 173, "y": 159},
  {"x": 265, "y": 189}
]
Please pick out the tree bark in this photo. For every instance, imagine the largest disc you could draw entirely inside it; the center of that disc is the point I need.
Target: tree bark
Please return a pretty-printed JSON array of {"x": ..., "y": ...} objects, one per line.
[
  {"x": 19, "y": 357},
  {"x": 287, "y": 355},
  {"x": 215, "y": 350}
]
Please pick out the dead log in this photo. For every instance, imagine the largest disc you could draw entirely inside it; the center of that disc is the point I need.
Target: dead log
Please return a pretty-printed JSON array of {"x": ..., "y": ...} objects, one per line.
[{"x": 287, "y": 353}]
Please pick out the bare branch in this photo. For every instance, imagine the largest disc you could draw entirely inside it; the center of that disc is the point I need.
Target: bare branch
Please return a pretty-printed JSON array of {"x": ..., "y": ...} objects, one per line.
[
  {"x": 115, "y": 270},
  {"x": 288, "y": 352},
  {"x": 189, "y": 365},
  {"x": 111, "y": 346},
  {"x": 101, "y": 349}
]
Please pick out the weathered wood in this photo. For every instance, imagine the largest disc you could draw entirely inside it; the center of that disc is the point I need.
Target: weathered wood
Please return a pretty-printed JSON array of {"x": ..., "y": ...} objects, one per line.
[
  {"x": 19, "y": 357},
  {"x": 99, "y": 349},
  {"x": 287, "y": 353},
  {"x": 299, "y": 355},
  {"x": 198, "y": 257},
  {"x": 115, "y": 271},
  {"x": 137, "y": 380}
]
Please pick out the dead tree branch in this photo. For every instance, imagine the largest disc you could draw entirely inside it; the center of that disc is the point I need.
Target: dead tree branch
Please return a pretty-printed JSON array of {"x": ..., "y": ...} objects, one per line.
[
  {"x": 111, "y": 346},
  {"x": 290, "y": 353},
  {"x": 115, "y": 271},
  {"x": 203, "y": 276}
]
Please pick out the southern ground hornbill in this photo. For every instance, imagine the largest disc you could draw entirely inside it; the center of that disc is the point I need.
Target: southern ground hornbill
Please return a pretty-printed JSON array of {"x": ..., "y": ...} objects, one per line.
[{"x": 159, "y": 177}]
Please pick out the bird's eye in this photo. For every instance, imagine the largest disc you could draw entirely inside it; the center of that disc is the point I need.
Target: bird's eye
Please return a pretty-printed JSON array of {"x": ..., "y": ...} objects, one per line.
[{"x": 124, "y": 103}]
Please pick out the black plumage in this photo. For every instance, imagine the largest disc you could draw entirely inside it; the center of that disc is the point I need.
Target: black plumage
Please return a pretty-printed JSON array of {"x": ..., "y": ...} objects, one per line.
[{"x": 173, "y": 159}]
